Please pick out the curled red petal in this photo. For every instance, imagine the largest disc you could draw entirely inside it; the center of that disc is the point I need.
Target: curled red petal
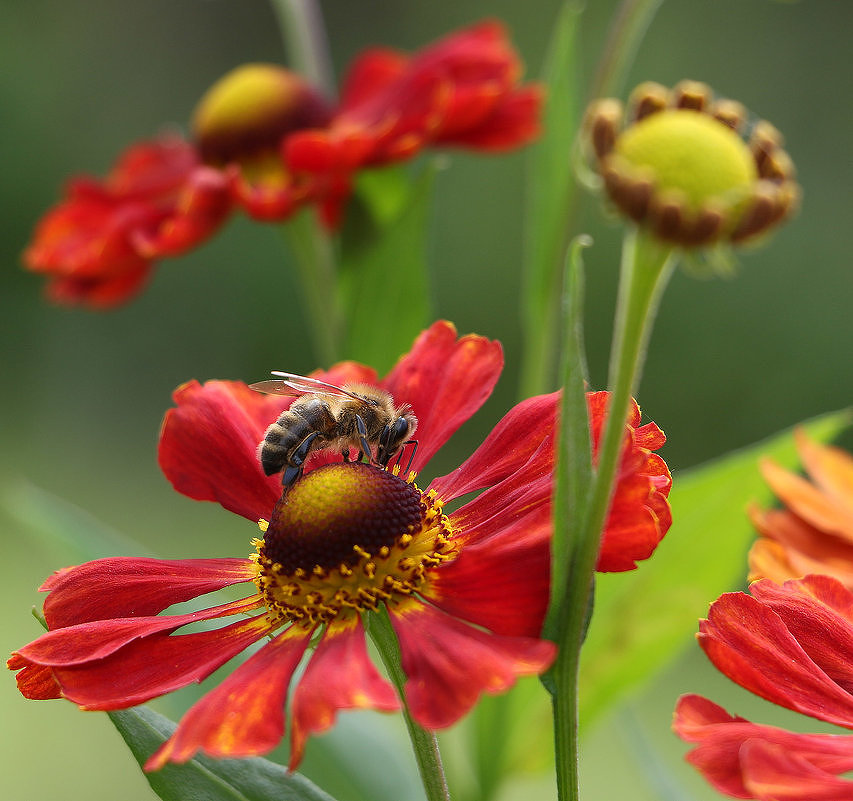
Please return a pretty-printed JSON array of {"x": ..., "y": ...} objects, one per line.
[
  {"x": 369, "y": 74},
  {"x": 35, "y": 682},
  {"x": 433, "y": 645},
  {"x": 155, "y": 665},
  {"x": 243, "y": 716},
  {"x": 445, "y": 379},
  {"x": 131, "y": 586},
  {"x": 750, "y": 644},
  {"x": 339, "y": 675}
]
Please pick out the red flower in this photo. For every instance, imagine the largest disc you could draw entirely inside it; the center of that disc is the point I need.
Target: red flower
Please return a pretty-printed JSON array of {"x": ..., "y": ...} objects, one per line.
[
  {"x": 793, "y": 645},
  {"x": 98, "y": 244},
  {"x": 271, "y": 144},
  {"x": 463, "y": 90},
  {"x": 469, "y": 587},
  {"x": 814, "y": 532}
]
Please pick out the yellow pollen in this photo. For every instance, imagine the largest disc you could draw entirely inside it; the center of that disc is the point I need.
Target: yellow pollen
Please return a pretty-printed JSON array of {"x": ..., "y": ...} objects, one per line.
[{"x": 392, "y": 575}]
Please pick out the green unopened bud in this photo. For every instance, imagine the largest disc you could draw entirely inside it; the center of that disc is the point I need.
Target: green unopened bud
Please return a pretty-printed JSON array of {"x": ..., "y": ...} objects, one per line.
[{"x": 681, "y": 168}]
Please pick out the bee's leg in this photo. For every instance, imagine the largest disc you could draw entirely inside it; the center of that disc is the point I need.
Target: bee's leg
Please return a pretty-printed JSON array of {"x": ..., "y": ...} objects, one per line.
[
  {"x": 362, "y": 433},
  {"x": 297, "y": 460},
  {"x": 412, "y": 457}
]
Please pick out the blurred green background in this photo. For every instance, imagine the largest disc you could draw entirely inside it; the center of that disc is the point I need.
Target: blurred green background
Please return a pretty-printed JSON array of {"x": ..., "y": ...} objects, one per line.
[{"x": 731, "y": 360}]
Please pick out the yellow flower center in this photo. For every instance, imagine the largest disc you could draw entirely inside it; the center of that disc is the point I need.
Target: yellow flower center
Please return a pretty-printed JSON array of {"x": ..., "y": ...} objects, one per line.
[
  {"x": 691, "y": 153},
  {"x": 345, "y": 538},
  {"x": 246, "y": 113}
]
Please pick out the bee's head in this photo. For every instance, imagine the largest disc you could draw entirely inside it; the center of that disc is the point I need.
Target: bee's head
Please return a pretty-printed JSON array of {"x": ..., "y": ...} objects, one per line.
[{"x": 395, "y": 435}]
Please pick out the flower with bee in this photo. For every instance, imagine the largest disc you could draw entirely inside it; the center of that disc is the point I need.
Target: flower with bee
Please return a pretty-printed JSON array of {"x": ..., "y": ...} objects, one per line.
[{"x": 346, "y": 538}]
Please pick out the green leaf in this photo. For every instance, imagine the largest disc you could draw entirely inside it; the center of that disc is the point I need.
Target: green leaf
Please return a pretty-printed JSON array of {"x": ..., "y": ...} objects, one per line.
[
  {"x": 204, "y": 778},
  {"x": 643, "y": 618},
  {"x": 384, "y": 276},
  {"x": 550, "y": 192},
  {"x": 63, "y": 528}
]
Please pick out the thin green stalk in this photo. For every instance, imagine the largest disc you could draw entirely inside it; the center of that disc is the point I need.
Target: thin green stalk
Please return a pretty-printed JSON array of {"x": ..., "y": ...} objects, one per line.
[
  {"x": 561, "y": 196},
  {"x": 317, "y": 269},
  {"x": 424, "y": 743},
  {"x": 629, "y": 25},
  {"x": 646, "y": 267},
  {"x": 304, "y": 34}
]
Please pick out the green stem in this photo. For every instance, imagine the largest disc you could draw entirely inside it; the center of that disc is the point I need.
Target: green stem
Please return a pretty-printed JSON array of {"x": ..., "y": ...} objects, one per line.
[
  {"x": 424, "y": 743},
  {"x": 629, "y": 25},
  {"x": 301, "y": 24},
  {"x": 646, "y": 267},
  {"x": 317, "y": 268}
]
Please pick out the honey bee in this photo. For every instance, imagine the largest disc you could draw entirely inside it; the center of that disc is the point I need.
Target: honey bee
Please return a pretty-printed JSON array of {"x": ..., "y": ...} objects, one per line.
[{"x": 327, "y": 416}]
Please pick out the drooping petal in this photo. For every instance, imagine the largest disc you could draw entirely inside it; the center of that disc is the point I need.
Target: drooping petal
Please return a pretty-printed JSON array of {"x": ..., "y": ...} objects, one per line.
[
  {"x": 87, "y": 642},
  {"x": 433, "y": 645},
  {"x": 131, "y": 586},
  {"x": 243, "y": 716},
  {"x": 831, "y": 468},
  {"x": 155, "y": 665},
  {"x": 445, "y": 379},
  {"x": 35, "y": 682},
  {"x": 750, "y": 644},
  {"x": 502, "y": 583},
  {"x": 339, "y": 675},
  {"x": 737, "y": 757}
]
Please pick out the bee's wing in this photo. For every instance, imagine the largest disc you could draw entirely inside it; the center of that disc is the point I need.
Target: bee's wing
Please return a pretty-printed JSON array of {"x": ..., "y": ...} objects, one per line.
[{"x": 293, "y": 384}]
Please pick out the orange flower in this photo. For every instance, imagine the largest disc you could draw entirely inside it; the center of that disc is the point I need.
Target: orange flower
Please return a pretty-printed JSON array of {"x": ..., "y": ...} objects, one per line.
[{"x": 814, "y": 532}]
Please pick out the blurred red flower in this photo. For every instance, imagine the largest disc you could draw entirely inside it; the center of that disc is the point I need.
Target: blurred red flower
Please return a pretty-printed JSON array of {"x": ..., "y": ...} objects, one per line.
[
  {"x": 793, "y": 645},
  {"x": 468, "y": 588},
  {"x": 268, "y": 142},
  {"x": 814, "y": 532}
]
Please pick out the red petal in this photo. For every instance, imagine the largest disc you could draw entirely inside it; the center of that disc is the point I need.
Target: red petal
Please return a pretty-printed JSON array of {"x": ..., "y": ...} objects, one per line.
[
  {"x": 373, "y": 71},
  {"x": 514, "y": 121},
  {"x": 129, "y": 586},
  {"x": 729, "y": 767},
  {"x": 505, "y": 450},
  {"x": 503, "y": 583},
  {"x": 156, "y": 665},
  {"x": 35, "y": 682},
  {"x": 818, "y": 612},
  {"x": 434, "y": 645},
  {"x": 445, "y": 380},
  {"x": 750, "y": 644},
  {"x": 243, "y": 716},
  {"x": 774, "y": 773},
  {"x": 86, "y": 642},
  {"x": 339, "y": 675},
  {"x": 209, "y": 443},
  {"x": 201, "y": 208}
]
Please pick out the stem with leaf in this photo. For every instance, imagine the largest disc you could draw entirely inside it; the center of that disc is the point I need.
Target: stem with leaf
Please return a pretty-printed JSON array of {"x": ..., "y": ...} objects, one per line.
[{"x": 579, "y": 522}]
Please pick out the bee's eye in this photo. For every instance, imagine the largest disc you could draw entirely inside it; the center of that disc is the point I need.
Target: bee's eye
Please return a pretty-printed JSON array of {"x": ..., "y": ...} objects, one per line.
[{"x": 401, "y": 428}]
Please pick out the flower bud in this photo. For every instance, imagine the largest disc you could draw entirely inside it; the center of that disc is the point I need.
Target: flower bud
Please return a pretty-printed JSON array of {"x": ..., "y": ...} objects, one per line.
[{"x": 677, "y": 164}]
